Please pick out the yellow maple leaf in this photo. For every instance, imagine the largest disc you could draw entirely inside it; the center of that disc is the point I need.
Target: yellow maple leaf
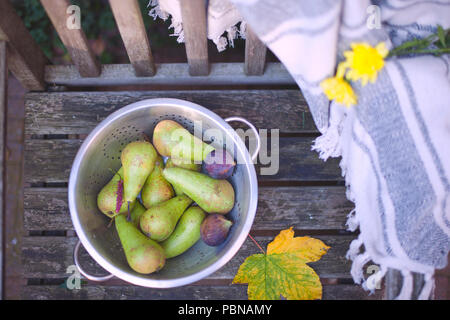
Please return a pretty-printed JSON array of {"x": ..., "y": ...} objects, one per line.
[{"x": 283, "y": 271}]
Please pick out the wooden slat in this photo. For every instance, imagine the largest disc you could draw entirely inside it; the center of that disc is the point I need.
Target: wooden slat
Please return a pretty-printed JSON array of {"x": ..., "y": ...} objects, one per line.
[
  {"x": 255, "y": 54},
  {"x": 193, "y": 13},
  {"x": 3, "y": 91},
  {"x": 194, "y": 292},
  {"x": 170, "y": 74},
  {"x": 48, "y": 258},
  {"x": 131, "y": 27},
  {"x": 25, "y": 59},
  {"x": 80, "y": 112},
  {"x": 51, "y": 161},
  {"x": 13, "y": 191},
  {"x": 303, "y": 208},
  {"x": 74, "y": 39}
]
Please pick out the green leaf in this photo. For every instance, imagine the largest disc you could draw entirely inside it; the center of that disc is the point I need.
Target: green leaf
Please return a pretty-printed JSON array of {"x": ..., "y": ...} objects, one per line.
[
  {"x": 283, "y": 271},
  {"x": 441, "y": 35}
]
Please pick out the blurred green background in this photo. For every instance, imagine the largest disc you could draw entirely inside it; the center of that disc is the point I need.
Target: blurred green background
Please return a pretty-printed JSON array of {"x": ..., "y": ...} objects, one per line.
[{"x": 100, "y": 27}]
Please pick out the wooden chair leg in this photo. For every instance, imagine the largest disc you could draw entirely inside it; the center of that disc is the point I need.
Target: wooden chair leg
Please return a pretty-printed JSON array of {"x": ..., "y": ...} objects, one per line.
[
  {"x": 255, "y": 54},
  {"x": 195, "y": 36},
  {"x": 25, "y": 58},
  {"x": 12, "y": 114},
  {"x": 3, "y": 88},
  {"x": 74, "y": 40}
]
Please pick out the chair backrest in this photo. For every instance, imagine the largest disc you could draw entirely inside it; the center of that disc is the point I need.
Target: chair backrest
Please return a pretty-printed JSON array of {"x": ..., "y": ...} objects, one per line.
[{"x": 30, "y": 66}]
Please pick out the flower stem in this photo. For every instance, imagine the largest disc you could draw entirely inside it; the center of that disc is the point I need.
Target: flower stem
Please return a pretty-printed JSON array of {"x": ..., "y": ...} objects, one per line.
[
  {"x": 419, "y": 51},
  {"x": 440, "y": 39}
]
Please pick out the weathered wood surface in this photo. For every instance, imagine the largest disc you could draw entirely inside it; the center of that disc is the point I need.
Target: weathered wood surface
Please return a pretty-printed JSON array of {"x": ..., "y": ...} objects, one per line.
[
  {"x": 51, "y": 161},
  {"x": 255, "y": 54},
  {"x": 3, "y": 109},
  {"x": 194, "y": 292},
  {"x": 169, "y": 74},
  {"x": 25, "y": 59},
  {"x": 131, "y": 27},
  {"x": 80, "y": 112},
  {"x": 49, "y": 257},
  {"x": 193, "y": 13},
  {"x": 74, "y": 39},
  {"x": 303, "y": 208},
  {"x": 319, "y": 211}
]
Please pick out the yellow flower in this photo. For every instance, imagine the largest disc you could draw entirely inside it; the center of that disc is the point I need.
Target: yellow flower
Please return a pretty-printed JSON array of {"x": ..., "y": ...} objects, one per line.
[
  {"x": 364, "y": 61},
  {"x": 336, "y": 88}
]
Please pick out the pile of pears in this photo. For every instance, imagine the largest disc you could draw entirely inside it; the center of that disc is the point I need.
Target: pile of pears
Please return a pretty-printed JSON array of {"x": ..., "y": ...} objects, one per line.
[{"x": 162, "y": 209}]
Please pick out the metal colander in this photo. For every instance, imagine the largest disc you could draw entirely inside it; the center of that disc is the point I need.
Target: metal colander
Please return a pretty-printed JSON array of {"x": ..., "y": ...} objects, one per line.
[{"x": 101, "y": 151}]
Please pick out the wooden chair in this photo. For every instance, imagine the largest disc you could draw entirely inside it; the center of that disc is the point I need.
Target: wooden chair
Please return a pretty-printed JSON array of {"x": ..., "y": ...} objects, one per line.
[{"x": 306, "y": 193}]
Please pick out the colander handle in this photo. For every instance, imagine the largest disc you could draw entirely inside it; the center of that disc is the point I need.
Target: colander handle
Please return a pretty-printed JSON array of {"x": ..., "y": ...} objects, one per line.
[
  {"x": 255, "y": 131},
  {"x": 84, "y": 273}
]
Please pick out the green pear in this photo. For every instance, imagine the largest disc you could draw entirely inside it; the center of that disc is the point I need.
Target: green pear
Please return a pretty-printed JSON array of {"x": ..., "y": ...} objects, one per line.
[
  {"x": 172, "y": 140},
  {"x": 138, "y": 160},
  {"x": 107, "y": 197},
  {"x": 171, "y": 163},
  {"x": 186, "y": 234},
  {"x": 159, "y": 221},
  {"x": 137, "y": 213},
  {"x": 143, "y": 254},
  {"x": 212, "y": 195},
  {"x": 156, "y": 188}
]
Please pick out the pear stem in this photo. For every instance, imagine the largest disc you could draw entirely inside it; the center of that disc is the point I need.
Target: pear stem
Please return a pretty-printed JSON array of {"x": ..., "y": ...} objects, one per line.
[
  {"x": 110, "y": 223},
  {"x": 260, "y": 248}
]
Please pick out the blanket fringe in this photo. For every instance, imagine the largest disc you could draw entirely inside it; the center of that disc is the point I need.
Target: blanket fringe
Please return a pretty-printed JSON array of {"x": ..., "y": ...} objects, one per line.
[
  {"x": 221, "y": 42},
  {"x": 155, "y": 10},
  {"x": 177, "y": 26},
  {"x": 355, "y": 248},
  {"x": 327, "y": 145},
  {"x": 427, "y": 288},
  {"x": 357, "y": 267},
  {"x": 407, "y": 287},
  {"x": 360, "y": 258},
  {"x": 352, "y": 221},
  {"x": 232, "y": 33}
]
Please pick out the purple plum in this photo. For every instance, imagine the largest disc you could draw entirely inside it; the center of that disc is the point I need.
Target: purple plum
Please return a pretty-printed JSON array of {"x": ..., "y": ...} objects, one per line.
[
  {"x": 214, "y": 229},
  {"x": 219, "y": 164}
]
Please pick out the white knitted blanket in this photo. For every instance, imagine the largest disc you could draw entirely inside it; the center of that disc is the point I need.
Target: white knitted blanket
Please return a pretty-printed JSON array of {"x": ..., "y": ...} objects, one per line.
[{"x": 222, "y": 20}]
